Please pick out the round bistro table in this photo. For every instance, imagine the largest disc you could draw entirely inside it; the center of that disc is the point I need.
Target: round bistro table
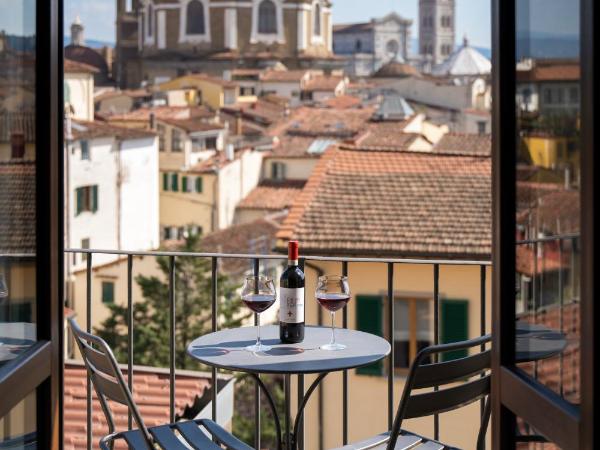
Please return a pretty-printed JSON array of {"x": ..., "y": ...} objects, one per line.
[
  {"x": 226, "y": 350},
  {"x": 534, "y": 342}
]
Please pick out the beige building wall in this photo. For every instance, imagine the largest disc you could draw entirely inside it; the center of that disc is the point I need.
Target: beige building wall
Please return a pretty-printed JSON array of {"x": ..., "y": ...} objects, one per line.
[
  {"x": 368, "y": 394},
  {"x": 296, "y": 168},
  {"x": 180, "y": 209},
  {"x": 80, "y": 87}
]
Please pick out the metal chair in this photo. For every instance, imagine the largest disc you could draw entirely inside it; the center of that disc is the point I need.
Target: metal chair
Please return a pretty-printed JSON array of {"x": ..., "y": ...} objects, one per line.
[
  {"x": 465, "y": 389},
  {"x": 109, "y": 384}
]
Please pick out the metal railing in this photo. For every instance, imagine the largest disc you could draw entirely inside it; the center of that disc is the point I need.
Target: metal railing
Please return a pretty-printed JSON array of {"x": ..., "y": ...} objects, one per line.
[{"x": 255, "y": 260}]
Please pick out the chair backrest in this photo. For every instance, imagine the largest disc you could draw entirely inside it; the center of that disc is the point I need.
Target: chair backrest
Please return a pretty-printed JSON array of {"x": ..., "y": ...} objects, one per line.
[
  {"x": 469, "y": 376},
  {"x": 107, "y": 378}
]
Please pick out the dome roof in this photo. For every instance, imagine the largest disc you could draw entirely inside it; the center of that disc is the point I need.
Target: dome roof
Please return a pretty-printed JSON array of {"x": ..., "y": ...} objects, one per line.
[
  {"x": 86, "y": 55},
  {"x": 466, "y": 61},
  {"x": 395, "y": 69}
]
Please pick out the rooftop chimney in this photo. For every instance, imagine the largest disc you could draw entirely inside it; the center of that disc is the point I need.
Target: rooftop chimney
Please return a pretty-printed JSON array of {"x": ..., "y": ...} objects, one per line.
[
  {"x": 152, "y": 121},
  {"x": 238, "y": 124},
  {"x": 229, "y": 152}
]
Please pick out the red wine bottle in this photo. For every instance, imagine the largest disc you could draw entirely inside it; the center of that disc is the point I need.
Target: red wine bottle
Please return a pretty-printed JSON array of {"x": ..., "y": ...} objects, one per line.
[{"x": 291, "y": 299}]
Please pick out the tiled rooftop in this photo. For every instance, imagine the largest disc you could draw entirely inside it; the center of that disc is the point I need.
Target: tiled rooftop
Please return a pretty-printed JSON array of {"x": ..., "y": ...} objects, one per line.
[
  {"x": 150, "y": 392},
  {"x": 97, "y": 129},
  {"x": 193, "y": 125},
  {"x": 464, "y": 144},
  {"x": 17, "y": 197},
  {"x": 551, "y": 71},
  {"x": 401, "y": 203},
  {"x": 71, "y": 66},
  {"x": 323, "y": 83},
  {"x": 273, "y": 195}
]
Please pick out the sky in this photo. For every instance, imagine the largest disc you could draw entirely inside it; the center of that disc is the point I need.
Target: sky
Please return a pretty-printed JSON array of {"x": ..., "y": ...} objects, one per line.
[{"x": 473, "y": 16}]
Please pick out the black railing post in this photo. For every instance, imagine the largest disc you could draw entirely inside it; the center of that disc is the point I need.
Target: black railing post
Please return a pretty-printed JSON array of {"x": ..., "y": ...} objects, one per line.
[
  {"x": 172, "y": 338},
  {"x": 345, "y": 373},
  {"x": 390, "y": 295},
  {"x": 482, "y": 314},
  {"x": 129, "y": 333},
  {"x": 436, "y": 335},
  {"x": 257, "y": 424},
  {"x": 288, "y": 413},
  {"x": 214, "y": 323},
  {"x": 561, "y": 302},
  {"x": 88, "y": 298},
  {"x": 299, "y": 438}
]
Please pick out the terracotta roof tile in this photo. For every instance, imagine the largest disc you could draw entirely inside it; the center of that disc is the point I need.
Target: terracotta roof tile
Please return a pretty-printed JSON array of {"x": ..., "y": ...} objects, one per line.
[
  {"x": 386, "y": 136},
  {"x": 98, "y": 129},
  {"x": 78, "y": 67},
  {"x": 17, "y": 123},
  {"x": 17, "y": 197},
  {"x": 343, "y": 102},
  {"x": 285, "y": 76},
  {"x": 273, "y": 195},
  {"x": 464, "y": 144},
  {"x": 193, "y": 125},
  {"x": 323, "y": 83},
  {"x": 398, "y": 203},
  {"x": 164, "y": 112},
  {"x": 151, "y": 393},
  {"x": 551, "y": 71}
]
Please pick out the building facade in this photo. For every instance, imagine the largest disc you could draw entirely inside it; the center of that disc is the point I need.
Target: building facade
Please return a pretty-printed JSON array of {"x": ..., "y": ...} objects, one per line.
[
  {"x": 368, "y": 46},
  {"x": 437, "y": 29},
  {"x": 162, "y": 40}
]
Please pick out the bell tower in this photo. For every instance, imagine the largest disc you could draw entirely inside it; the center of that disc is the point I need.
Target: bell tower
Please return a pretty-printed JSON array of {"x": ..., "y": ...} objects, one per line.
[{"x": 437, "y": 29}]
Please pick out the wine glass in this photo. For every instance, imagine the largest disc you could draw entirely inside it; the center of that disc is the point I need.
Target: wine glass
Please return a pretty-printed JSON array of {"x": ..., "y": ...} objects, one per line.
[
  {"x": 258, "y": 294},
  {"x": 333, "y": 293}
]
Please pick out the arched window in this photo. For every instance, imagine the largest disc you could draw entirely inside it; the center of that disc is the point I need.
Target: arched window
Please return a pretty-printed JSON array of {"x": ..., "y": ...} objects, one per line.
[
  {"x": 358, "y": 45},
  {"x": 317, "y": 20},
  {"x": 149, "y": 19},
  {"x": 195, "y": 18},
  {"x": 267, "y": 17}
]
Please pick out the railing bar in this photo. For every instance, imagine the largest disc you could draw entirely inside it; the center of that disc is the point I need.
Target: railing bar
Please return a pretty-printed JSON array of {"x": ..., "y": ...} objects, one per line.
[
  {"x": 345, "y": 373},
  {"x": 561, "y": 301},
  {"x": 299, "y": 439},
  {"x": 288, "y": 420},
  {"x": 172, "y": 339},
  {"x": 535, "y": 294},
  {"x": 436, "y": 335},
  {"x": 129, "y": 333},
  {"x": 482, "y": 318},
  {"x": 214, "y": 325},
  {"x": 390, "y": 295},
  {"x": 549, "y": 238},
  {"x": 88, "y": 276},
  {"x": 257, "y": 424},
  {"x": 446, "y": 262}
]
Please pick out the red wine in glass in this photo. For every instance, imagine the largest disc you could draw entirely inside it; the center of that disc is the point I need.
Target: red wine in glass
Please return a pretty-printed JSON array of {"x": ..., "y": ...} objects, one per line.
[
  {"x": 258, "y": 302},
  {"x": 332, "y": 302}
]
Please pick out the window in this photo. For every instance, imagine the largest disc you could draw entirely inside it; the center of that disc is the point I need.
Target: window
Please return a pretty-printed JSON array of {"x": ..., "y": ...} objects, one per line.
[
  {"x": 317, "y": 20},
  {"x": 150, "y": 19},
  {"x": 174, "y": 182},
  {"x": 358, "y": 45},
  {"x": 161, "y": 130},
  {"x": 195, "y": 18},
  {"x": 246, "y": 90},
  {"x": 108, "y": 292},
  {"x": 559, "y": 96},
  {"x": 548, "y": 95},
  {"x": 267, "y": 17},
  {"x": 278, "y": 171},
  {"x": 413, "y": 329},
  {"x": 165, "y": 182},
  {"x": 482, "y": 127},
  {"x": 199, "y": 185},
  {"x": 87, "y": 199},
  {"x": 194, "y": 230},
  {"x": 574, "y": 95},
  {"x": 85, "y": 244},
  {"x": 85, "y": 150},
  {"x": 176, "y": 142},
  {"x": 184, "y": 184},
  {"x": 181, "y": 233},
  {"x": 211, "y": 143},
  {"x": 454, "y": 326},
  {"x": 17, "y": 145},
  {"x": 167, "y": 233}
]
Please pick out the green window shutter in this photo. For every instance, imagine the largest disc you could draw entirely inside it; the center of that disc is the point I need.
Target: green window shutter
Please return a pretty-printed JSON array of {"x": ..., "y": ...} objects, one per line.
[
  {"x": 79, "y": 195},
  {"x": 165, "y": 181},
  {"x": 108, "y": 292},
  {"x": 199, "y": 185},
  {"x": 94, "y": 198},
  {"x": 454, "y": 326},
  {"x": 369, "y": 318},
  {"x": 174, "y": 182},
  {"x": 184, "y": 184}
]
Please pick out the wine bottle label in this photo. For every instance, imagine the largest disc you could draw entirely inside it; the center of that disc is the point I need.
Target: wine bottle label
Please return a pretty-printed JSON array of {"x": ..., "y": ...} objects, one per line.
[{"x": 291, "y": 301}]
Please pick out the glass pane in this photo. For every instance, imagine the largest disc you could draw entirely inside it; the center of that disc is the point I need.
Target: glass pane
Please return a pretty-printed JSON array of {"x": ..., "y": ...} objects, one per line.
[
  {"x": 17, "y": 178},
  {"x": 548, "y": 186},
  {"x": 18, "y": 427},
  {"x": 529, "y": 438}
]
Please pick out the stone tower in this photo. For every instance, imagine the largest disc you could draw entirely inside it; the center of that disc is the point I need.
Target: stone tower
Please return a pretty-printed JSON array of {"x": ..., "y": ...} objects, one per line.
[
  {"x": 437, "y": 29},
  {"x": 77, "y": 32}
]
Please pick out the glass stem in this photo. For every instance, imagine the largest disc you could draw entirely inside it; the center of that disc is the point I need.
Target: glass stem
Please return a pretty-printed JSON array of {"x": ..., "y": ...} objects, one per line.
[
  {"x": 258, "y": 330},
  {"x": 332, "y": 329}
]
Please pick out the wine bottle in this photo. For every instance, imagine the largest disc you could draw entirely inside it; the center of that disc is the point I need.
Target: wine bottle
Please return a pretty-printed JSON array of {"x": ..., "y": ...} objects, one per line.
[{"x": 291, "y": 299}]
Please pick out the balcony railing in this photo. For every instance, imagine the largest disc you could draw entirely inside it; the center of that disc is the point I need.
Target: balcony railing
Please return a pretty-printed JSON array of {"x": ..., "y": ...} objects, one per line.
[{"x": 254, "y": 265}]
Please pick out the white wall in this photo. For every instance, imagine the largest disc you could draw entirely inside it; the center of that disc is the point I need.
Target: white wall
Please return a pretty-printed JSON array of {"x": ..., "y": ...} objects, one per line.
[
  {"x": 81, "y": 89},
  {"x": 100, "y": 226},
  {"x": 139, "y": 225},
  {"x": 295, "y": 168},
  {"x": 289, "y": 90},
  {"x": 236, "y": 180}
]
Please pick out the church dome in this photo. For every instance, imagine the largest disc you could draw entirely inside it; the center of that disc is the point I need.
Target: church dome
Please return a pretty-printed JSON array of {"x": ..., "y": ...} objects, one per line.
[
  {"x": 466, "y": 61},
  {"x": 91, "y": 57},
  {"x": 395, "y": 69}
]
